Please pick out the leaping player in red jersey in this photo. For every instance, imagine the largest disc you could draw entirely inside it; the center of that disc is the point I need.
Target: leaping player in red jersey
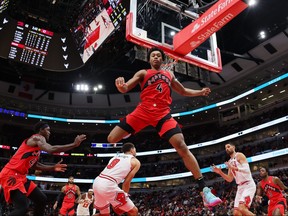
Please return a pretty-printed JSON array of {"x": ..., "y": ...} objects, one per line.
[
  {"x": 17, "y": 188},
  {"x": 273, "y": 188},
  {"x": 154, "y": 110}
]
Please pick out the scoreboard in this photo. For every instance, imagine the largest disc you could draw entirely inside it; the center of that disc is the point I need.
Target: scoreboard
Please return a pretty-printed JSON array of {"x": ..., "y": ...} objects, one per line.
[{"x": 30, "y": 44}]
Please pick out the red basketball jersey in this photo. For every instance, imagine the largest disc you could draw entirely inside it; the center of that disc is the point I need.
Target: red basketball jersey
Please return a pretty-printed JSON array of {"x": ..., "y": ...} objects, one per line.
[
  {"x": 24, "y": 158},
  {"x": 156, "y": 87},
  {"x": 70, "y": 193},
  {"x": 272, "y": 190}
]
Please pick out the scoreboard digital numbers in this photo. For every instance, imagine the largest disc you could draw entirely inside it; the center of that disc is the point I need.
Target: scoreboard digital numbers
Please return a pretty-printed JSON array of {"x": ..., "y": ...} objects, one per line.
[
  {"x": 119, "y": 13},
  {"x": 116, "y": 10},
  {"x": 30, "y": 44}
]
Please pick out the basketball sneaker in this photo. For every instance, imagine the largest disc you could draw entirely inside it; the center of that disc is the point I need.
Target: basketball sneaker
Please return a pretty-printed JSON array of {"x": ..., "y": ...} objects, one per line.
[{"x": 209, "y": 199}]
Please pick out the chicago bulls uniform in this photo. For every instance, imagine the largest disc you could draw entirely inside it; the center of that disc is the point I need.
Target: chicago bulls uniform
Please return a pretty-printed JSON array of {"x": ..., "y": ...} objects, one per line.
[
  {"x": 83, "y": 207},
  {"x": 154, "y": 107},
  {"x": 13, "y": 175},
  {"x": 275, "y": 195},
  {"x": 246, "y": 186},
  {"x": 105, "y": 186}
]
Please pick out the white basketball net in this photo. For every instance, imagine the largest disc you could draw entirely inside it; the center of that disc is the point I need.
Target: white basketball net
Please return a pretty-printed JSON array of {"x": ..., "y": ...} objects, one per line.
[{"x": 169, "y": 64}]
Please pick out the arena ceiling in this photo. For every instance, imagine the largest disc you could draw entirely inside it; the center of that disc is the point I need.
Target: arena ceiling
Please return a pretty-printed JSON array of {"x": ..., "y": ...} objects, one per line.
[{"x": 235, "y": 40}]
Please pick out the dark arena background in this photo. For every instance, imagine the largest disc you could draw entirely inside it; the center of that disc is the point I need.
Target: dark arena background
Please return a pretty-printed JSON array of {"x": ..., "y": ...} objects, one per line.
[{"x": 59, "y": 61}]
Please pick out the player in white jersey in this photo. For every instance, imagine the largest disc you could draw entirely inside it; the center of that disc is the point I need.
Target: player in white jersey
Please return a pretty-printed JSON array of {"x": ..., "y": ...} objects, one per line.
[
  {"x": 106, "y": 190},
  {"x": 84, "y": 202},
  {"x": 238, "y": 169}
]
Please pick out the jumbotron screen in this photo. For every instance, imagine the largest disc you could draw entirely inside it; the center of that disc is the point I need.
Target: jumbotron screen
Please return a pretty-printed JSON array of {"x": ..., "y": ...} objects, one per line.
[
  {"x": 30, "y": 44},
  {"x": 95, "y": 24}
]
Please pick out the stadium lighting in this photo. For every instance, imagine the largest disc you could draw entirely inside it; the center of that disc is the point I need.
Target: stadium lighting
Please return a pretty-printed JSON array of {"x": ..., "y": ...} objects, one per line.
[
  {"x": 98, "y": 87},
  {"x": 252, "y": 2},
  {"x": 262, "y": 35},
  {"x": 82, "y": 87}
]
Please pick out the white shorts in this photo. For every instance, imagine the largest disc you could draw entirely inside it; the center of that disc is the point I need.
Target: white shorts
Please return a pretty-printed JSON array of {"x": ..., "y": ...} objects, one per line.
[
  {"x": 245, "y": 194},
  {"x": 107, "y": 192}
]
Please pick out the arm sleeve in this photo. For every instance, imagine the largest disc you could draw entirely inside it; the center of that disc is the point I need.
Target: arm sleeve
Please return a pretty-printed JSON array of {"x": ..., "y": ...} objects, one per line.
[{"x": 60, "y": 197}]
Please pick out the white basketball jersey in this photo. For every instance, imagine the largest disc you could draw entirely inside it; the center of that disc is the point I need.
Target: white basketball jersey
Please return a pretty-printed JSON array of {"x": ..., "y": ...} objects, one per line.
[
  {"x": 241, "y": 176},
  {"x": 118, "y": 168},
  {"x": 83, "y": 208}
]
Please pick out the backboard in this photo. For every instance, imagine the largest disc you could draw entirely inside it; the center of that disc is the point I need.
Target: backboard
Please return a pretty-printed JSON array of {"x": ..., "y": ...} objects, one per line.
[{"x": 155, "y": 22}]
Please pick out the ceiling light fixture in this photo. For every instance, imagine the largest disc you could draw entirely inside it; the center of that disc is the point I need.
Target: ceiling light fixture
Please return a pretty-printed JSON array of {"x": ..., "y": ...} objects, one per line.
[
  {"x": 252, "y": 2},
  {"x": 262, "y": 35}
]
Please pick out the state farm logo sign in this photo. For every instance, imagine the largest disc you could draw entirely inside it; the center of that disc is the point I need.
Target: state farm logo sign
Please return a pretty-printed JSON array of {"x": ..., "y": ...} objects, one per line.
[{"x": 210, "y": 22}]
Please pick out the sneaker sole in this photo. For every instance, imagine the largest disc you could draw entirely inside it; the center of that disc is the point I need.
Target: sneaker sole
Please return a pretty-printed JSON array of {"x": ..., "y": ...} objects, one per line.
[{"x": 214, "y": 203}]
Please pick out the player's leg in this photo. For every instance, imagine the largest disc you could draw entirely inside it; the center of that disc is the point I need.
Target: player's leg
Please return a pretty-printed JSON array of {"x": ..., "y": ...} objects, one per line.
[
  {"x": 245, "y": 210},
  {"x": 20, "y": 202},
  {"x": 177, "y": 141},
  {"x": 131, "y": 212},
  {"x": 124, "y": 204},
  {"x": 170, "y": 130},
  {"x": 39, "y": 199},
  {"x": 116, "y": 134},
  {"x": 63, "y": 209},
  {"x": 279, "y": 208},
  {"x": 237, "y": 212},
  {"x": 102, "y": 196},
  {"x": 246, "y": 195},
  {"x": 131, "y": 124},
  {"x": 103, "y": 211}
]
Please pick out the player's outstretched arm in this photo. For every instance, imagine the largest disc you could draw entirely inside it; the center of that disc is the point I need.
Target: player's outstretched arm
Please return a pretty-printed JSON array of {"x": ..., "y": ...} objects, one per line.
[
  {"x": 280, "y": 183},
  {"x": 58, "y": 167},
  {"x": 43, "y": 145},
  {"x": 180, "y": 89},
  {"x": 124, "y": 87},
  {"x": 228, "y": 177}
]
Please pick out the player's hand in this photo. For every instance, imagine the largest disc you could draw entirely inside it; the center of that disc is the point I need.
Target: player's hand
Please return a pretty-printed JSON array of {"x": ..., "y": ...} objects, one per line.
[
  {"x": 81, "y": 201},
  {"x": 79, "y": 139},
  {"x": 121, "y": 85},
  {"x": 230, "y": 166},
  {"x": 55, "y": 206},
  {"x": 206, "y": 91},
  {"x": 215, "y": 169},
  {"x": 60, "y": 167}
]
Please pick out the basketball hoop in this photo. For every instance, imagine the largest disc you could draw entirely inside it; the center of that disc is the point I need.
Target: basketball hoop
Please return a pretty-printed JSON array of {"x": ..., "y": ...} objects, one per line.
[{"x": 169, "y": 64}]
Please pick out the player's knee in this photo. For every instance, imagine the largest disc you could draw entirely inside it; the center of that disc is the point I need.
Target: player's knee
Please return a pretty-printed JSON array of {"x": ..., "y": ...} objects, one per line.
[
  {"x": 111, "y": 139},
  {"x": 133, "y": 211},
  {"x": 105, "y": 211},
  {"x": 42, "y": 199},
  {"x": 276, "y": 212},
  {"x": 181, "y": 148},
  {"x": 237, "y": 212}
]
